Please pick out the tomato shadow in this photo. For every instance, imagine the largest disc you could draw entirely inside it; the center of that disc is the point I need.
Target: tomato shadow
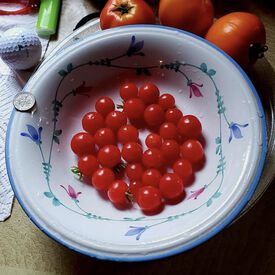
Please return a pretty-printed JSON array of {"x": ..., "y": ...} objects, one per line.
[
  {"x": 155, "y": 212},
  {"x": 176, "y": 200},
  {"x": 202, "y": 141},
  {"x": 123, "y": 207},
  {"x": 103, "y": 194},
  {"x": 188, "y": 182},
  {"x": 199, "y": 165}
]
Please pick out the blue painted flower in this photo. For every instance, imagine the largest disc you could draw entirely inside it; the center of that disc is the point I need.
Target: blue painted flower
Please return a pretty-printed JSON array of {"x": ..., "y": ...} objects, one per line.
[
  {"x": 135, "y": 47},
  {"x": 136, "y": 231},
  {"x": 33, "y": 134},
  {"x": 235, "y": 130}
]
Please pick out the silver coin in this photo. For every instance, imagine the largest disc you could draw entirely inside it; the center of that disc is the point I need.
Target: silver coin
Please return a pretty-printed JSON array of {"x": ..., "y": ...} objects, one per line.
[{"x": 24, "y": 101}]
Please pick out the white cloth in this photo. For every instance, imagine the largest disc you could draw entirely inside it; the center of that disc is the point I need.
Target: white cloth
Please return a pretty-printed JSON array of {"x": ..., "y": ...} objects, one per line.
[{"x": 10, "y": 84}]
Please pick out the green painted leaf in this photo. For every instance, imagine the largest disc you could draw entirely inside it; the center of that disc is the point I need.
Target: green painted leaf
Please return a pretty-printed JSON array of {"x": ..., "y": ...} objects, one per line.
[
  {"x": 221, "y": 110},
  {"x": 57, "y": 132},
  {"x": 56, "y": 202},
  {"x": 218, "y": 140},
  {"x": 62, "y": 73},
  {"x": 217, "y": 194},
  {"x": 139, "y": 219},
  {"x": 218, "y": 149},
  {"x": 48, "y": 194},
  {"x": 209, "y": 202},
  {"x": 69, "y": 67},
  {"x": 89, "y": 216},
  {"x": 203, "y": 67},
  {"x": 211, "y": 72},
  {"x": 56, "y": 139},
  {"x": 127, "y": 219}
]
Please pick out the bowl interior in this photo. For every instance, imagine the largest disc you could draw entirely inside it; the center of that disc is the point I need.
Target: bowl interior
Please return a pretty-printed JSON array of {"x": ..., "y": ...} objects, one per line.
[{"x": 204, "y": 82}]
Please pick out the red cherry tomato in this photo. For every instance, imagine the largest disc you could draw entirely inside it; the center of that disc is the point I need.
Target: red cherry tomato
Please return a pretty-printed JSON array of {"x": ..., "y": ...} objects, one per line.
[
  {"x": 117, "y": 192},
  {"x": 171, "y": 186},
  {"x": 114, "y": 120},
  {"x": 105, "y": 136},
  {"x": 87, "y": 165},
  {"x": 192, "y": 150},
  {"x": 183, "y": 168},
  {"x": 131, "y": 152},
  {"x": 134, "y": 171},
  {"x": 153, "y": 141},
  {"x": 134, "y": 187},
  {"x": 189, "y": 126},
  {"x": 127, "y": 133},
  {"x": 173, "y": 115},
  {"x": 166, "y": 101},
  {"x": 152, "y": 158},
  {"x": 149, "y": 198},
  {"x": 109, "y": 156},
  {"x": 154, "y": 115},
  {"x": 170, "y": 150},
  {"x": 118, "y": 13},
  {"x": 104, "y": 105},
  {"x": 83, "y": 144},
  {"x": 168, "y": 130},
  {"x": 148, "y": 93},
  {"x": 103, "y": 178},
  {"x": 151, "y": 177},
  {"x": 128, "y": 91},
  {"x": 92, "y": 121},
  {"x": 134, "y": 108}
]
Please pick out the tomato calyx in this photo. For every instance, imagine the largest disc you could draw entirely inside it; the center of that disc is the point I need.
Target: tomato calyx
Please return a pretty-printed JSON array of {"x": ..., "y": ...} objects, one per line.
[
  {"x": 119, "y": 168},
  {"x": 256, "y": 51},
  {"x": 129, "y": 196},
  {"x": 123, "y": 8},
  {"x": 75, "y": 170}
]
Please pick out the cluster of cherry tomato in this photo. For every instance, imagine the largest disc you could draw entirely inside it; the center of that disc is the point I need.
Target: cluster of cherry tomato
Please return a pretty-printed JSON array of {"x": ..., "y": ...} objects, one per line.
[{"x": 158, "y": 174}]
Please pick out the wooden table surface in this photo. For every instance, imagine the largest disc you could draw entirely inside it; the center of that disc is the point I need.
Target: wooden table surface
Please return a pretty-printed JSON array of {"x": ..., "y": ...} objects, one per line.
[{"x": 246, "y": 247}]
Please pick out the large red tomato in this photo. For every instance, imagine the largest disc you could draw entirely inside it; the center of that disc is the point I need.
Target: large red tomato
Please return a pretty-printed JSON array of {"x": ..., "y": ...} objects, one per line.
[
  {"x": 241, "y": 35},
  {"x": 195, "y": 16},
  {"x": 126, "y": 12}
]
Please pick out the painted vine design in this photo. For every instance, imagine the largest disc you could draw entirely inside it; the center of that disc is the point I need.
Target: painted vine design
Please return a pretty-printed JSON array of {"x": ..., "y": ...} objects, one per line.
[{"x": 135, "y": 49}]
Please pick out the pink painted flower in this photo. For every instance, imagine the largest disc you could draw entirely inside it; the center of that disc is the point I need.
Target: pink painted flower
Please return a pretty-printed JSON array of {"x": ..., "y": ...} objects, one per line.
[
  {"x": 194, "y": 194},
  {"x": 71, "y": 192},
  {"x": 194, "y": 90}
]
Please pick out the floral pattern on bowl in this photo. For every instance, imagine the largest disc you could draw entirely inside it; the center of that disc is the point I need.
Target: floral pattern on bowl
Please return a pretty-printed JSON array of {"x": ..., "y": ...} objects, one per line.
[{"x": 231, "y": 126}]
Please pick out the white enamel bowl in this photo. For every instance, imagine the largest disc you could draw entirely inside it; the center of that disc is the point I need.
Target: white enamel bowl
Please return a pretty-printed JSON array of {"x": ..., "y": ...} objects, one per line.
[{"x": 204, "y": 81}]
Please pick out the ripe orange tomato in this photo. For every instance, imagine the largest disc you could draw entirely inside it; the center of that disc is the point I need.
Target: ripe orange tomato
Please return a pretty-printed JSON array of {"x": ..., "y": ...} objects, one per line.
[
  {"x": 195, "y": 16},
  {"x": 241, "y": 35},
  {"x": 126, "y": 12}
]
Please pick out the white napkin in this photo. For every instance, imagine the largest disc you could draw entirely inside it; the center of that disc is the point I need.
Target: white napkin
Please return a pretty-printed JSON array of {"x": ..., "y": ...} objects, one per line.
[{"x": 10, "y": 84}]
